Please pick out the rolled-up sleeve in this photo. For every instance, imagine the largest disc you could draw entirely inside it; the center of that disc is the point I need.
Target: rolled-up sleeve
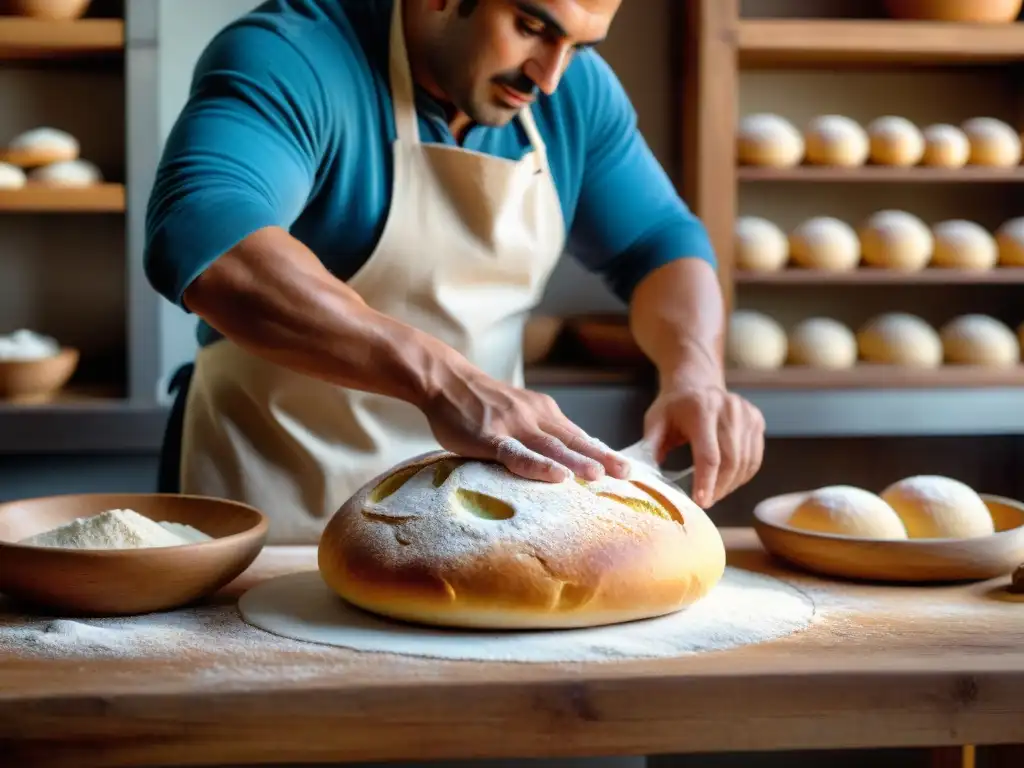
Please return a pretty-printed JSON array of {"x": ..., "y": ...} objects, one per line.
[
  {"x": 242, "y": 155},
  {"x": 629, "y": 218}
]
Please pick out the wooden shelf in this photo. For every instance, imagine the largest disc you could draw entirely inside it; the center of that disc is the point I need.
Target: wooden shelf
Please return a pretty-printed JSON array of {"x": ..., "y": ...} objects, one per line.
[
  {"x": 33, "y": 39},
  {"x": 882, "y": 174},
  {"x": 867, "y": 376},
  {"x": 868, "y": 276},
  {"x": 100, "y": 198},
  {"x": 581, "y": 376},
  {"x": 795, "y": 42}
]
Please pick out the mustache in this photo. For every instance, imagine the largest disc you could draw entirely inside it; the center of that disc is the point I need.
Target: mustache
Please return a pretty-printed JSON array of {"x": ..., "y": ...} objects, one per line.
[{"x": 518, "y": 82}]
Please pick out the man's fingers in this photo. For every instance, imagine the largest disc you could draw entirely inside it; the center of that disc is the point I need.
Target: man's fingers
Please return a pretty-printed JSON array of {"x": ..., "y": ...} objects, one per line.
[
  {"x": 553, "y": 448},
  {"x": 527, "y": 463},
  {"x": 707, "y": 457},
  {"x": 582, "y": 444}
]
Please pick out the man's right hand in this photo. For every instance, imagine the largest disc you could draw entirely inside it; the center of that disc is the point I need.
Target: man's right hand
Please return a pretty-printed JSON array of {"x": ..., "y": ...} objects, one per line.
[{"x": 482, "y": 418}]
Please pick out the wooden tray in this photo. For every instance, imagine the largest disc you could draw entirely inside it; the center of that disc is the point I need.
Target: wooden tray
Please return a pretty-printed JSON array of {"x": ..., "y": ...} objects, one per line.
[{"x": 909, "y": 560}]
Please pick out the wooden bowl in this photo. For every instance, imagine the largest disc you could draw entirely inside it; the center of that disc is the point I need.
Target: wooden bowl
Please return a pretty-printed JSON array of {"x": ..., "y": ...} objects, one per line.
[
  {"x": 50, "y": 10},
  {"x": 126, "y": 581},
  {"x": 967, "y": 11},
  {"x": 539, "y": 337},
  {"x": 37, "y": 380},
  {"x": 907, "y": 560},
  {"x": 607, "y": 339}
]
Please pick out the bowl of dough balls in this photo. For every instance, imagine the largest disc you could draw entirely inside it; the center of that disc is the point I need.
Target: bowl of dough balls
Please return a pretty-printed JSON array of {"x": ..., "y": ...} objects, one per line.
[
  {"x": 922, "y": 528},
  {"x": 124, "y": 554},
  {"x": 34, "y": 367}
]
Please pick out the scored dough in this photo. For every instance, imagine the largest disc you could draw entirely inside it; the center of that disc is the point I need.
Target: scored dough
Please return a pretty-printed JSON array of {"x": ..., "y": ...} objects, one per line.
[
  {"x": 769, "y": 140},
  {"x": 899, "y": 338},
  {"x": 993, "y": 142},
  {"x": 825, "y": 242},
  {"x": 761, "y": 245},
  {"x": 945, "y": 146},
  {"x": 822, "y": 342},
  {"x": 1010, "y": 241},
  {"x": 896, "y": 240},
  {"x": 895, "y": 141},
  {"x": 936, "y": 507},
  {"x": 975, "y": 339},
  {"x": 755, "y": 341},
  {"x": 836, "y": 140},
  {"x": 845, "y": 510},
  {"x": 961, "y": 244}
]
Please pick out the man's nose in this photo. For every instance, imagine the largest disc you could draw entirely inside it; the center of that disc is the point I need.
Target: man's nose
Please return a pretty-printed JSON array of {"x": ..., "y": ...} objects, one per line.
[{"x": 546, "y": 70}]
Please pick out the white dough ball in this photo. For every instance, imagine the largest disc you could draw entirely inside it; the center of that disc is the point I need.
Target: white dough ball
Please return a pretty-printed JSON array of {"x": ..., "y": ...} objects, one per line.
[
  {"x": 821, "y": 342},
  {"x": 976, "y": 339},
  {"x": 945, "y": 146},
  {"x": 769, "y": 140},
  {"x": 961, "y": 244},
  {"x": 761, "y": 245},
  {"x": 69, "y": 173},
  {"x": 899, "y": 338},
  {"x": 836, "y": 140},
  {"x": 11, "y": 176},
  {"x": 937, "y": 507},
  {"x": 825, "y": 242},
  {"x": 1010, "y": 241},
  {"x": 844, "y": 510},
  {"x": 993, "y": 143},
  {"x": 895, "y": 141},
  {"x": 896, "y": 240},
  {"x": 755, "y": 341}
]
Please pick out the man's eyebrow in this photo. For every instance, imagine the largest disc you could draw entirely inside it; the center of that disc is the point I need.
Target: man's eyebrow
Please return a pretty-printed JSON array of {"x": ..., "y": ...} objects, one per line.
[{"x": 541, "y": 14}]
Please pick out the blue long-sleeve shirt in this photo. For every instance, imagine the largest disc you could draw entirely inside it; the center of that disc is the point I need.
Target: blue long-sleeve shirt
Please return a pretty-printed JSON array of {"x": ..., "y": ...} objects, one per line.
[{"x": 289, "y": 123}]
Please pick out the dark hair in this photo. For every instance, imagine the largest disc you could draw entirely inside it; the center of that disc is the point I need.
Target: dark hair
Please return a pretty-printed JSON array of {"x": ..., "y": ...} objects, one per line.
[{"x": 466, "y": 7}]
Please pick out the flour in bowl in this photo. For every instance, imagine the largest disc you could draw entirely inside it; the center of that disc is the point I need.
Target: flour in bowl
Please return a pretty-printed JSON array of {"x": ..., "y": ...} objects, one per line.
[
  {"x": 27, "y": 345},
  {"x": 116, "y": 529}
]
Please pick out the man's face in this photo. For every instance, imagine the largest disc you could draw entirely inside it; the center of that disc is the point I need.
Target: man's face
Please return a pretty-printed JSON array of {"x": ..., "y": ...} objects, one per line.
[{"x": 493, "y": 56}]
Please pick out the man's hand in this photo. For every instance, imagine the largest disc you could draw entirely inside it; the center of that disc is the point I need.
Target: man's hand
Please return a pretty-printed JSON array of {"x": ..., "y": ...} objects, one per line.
[
  {"x": 725, "y": 433},
  {"x": 479, "y": 417}
]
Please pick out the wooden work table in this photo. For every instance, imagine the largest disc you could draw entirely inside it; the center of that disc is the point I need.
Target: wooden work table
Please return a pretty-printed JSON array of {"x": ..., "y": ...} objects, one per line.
[{"x": 882, "y": 666}]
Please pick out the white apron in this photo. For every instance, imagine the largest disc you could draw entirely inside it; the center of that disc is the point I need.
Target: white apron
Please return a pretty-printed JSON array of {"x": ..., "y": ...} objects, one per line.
[{"x": 466, "y": 252}]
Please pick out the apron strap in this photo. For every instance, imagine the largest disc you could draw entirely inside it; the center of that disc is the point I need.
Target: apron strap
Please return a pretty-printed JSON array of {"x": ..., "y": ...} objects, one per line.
[
  {"x": 533, "y": 134},
  {"x": 403, "y": 95}
]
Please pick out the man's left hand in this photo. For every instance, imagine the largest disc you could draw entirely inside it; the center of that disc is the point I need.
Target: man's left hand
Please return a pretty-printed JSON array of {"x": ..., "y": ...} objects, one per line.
[{"x": 725, "y": 433}]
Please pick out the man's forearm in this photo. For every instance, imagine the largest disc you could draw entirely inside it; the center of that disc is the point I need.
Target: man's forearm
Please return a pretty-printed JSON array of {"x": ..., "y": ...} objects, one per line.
[
  {"x": 273, "y": 297},
  {"x": 677, "y": 317}
]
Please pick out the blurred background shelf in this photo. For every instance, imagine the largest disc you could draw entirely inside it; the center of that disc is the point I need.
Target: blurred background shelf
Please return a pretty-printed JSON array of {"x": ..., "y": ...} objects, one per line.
[
  {"x": 32, "y": 39},
  {"x": 100, "y": 198},
  {"x": 878, "y": 377},
  {"x": 872, "y": 174},
  {"x": 868, "y": 276}
]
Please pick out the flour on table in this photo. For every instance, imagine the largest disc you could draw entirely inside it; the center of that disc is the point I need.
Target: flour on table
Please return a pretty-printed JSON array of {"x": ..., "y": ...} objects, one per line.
[
  {"x": 116, "y": 529},
  {"x": 743, "y": 609},
  {"x": 27, "y": 345}
]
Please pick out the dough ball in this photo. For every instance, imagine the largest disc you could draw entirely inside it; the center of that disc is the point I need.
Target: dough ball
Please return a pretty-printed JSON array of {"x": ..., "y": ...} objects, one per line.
[
  {"x": 769, "y": 140},
  {"x": 821, "y": 342},
  {"x": 1010, "y": 241},
  {"x": 975, "y": 339},
  {"x": 755, "y": 341},
  {"x": 761, "y": 245},
  {"x": 72, "y": 173},
  {"x": 936, "y": 507},
  {"x": 844, "y": 510},
  {"x": 963, "y": 244},
  {"x": 446, "y": 541},
  {"x": 42, "y": 146},
  {"x": 993, "y": 142},
  {"x": 895, "y": 141},
  {"x": 11, "y": 176},
  {"x": 945, "y": 146},
  {"x": 824, "y": 242},
  {"x": 896, "y": 240},
  {"x": 836, "y": 140},
  {"x": 899, "y": 338}
]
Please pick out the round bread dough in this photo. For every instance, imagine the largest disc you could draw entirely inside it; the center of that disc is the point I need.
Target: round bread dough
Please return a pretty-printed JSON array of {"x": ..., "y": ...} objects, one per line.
[
  {"x": 447, "y": 541},
  {"x": 945, "y": 146},
  {"x": 899, "y": 338},
  {"x": 71, "y": 173},
  {"x": 825, "y": 242},
  {"x": 936, "y": 507},
  {"x": 976, "y": 339},
  {"x": 821, "y": 342},
  {"x": 1010, "y": 242},
  {"x": 836, "y": 140},
  {"x": 845, "y": 510},
  {"x": 769, "y": 140},
  {"x": 896, "y": 240},
  {"x": 761, "y": 245},
  {"x": 42, "y": 146},
  {"x": 895, "y": 141},
  {"x": 755, "y": 341},
  {"x": 993, "y": 143},
  {"x": 11, "y": 176},
  {"x": 961, "y": 244}
]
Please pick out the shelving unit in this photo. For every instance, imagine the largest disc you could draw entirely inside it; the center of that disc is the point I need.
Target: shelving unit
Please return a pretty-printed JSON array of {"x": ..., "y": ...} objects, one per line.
[{"x": 32, "y": 39}]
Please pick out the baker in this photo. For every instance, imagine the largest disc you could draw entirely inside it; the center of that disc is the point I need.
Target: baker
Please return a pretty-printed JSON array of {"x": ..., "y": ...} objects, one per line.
[{"x": 362, "y": 200}]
